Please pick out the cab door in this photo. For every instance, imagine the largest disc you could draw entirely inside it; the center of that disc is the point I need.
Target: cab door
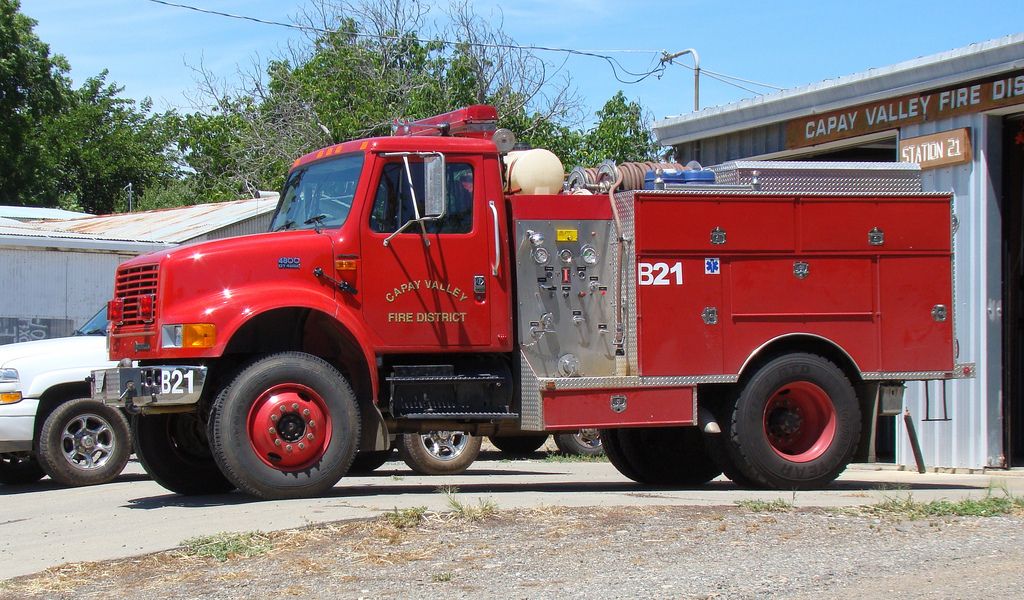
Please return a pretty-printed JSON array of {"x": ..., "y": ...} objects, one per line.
[{"x": 428, "y": 285}]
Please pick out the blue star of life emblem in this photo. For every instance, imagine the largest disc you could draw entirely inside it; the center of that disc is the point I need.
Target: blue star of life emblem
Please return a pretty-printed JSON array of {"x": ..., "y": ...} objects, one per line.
[{"x": 711, "y": 266}]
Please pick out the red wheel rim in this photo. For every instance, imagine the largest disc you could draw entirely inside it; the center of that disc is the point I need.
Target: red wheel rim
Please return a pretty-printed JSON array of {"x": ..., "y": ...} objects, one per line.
[
  {"x": 800, "y": 421},
  {"x": 289, "y": 427}
]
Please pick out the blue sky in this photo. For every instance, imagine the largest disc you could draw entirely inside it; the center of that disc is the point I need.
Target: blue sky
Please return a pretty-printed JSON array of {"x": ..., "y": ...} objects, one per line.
[{"x": 148, "y": 47}]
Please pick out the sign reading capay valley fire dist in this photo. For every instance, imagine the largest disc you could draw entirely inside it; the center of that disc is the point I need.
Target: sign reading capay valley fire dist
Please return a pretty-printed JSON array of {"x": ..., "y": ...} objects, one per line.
[{"x": 971, "y": 97}]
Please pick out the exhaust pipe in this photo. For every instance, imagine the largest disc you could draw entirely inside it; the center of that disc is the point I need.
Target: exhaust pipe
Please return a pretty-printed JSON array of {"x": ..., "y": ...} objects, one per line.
[{"x": 706, "y": 421}]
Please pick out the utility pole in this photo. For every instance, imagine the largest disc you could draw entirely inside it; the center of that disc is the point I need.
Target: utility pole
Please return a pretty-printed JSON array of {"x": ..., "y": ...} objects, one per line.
[
  {"x": 667, "y": 58},
  {"x": 128, "y": 188}
]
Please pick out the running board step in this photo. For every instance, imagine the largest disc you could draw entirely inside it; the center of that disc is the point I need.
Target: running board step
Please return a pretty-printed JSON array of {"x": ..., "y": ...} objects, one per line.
[
  {"x": 442, "y": 392},
  {"x": 462, "y": 416}
]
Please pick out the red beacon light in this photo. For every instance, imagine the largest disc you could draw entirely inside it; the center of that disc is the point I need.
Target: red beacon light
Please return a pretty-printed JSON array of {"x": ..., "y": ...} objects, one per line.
[{"x": 477, "y": 121}]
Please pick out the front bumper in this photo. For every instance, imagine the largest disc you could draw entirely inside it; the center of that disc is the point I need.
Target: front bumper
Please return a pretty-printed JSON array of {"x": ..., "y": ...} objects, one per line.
[
  {"x": 17, "y": 425},
  {"x": 164, "y": 385}
]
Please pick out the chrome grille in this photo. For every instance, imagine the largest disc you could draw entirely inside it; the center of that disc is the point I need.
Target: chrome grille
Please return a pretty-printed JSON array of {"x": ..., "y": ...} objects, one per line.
[{"x": 132, "y": 284}]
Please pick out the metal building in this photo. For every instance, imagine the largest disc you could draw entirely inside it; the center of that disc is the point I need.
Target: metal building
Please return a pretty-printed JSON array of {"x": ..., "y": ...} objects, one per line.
[
  {"x": 960, "y": 114},
  {"x": 55, "y": 274}
]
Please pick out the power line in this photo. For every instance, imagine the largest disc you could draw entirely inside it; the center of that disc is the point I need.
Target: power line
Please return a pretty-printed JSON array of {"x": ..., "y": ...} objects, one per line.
[{"x": 615, "y": 65}]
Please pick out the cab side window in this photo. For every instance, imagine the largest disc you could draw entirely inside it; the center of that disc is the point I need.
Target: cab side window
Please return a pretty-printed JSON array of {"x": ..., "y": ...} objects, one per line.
[{"x": 393, "y": 203}]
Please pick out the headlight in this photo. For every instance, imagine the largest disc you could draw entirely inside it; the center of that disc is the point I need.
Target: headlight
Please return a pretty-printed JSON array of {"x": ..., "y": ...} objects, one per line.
[{"x": 9, "y": 396}]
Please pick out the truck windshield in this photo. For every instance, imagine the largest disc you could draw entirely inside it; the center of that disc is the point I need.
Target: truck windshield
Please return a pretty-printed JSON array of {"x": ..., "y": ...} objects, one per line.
[
  {"x": 97, "y": 325},
  {"x": 319, "y": 194}
]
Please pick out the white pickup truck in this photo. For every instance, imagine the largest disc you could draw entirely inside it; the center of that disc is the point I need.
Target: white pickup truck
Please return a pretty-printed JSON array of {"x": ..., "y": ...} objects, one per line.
[{"x": 48, "y": 423}]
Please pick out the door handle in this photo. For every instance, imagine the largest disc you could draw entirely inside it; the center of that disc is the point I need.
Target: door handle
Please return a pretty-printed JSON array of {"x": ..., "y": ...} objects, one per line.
[{"x": 497, "y": 238}]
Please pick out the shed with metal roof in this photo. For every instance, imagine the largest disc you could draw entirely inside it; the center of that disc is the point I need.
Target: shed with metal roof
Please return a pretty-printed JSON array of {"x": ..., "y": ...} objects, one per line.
[{"x": 58, "y": 269}]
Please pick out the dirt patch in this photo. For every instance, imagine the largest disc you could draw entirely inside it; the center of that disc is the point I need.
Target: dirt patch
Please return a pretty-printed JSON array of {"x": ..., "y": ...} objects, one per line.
[{"x": 688, "y": 552}]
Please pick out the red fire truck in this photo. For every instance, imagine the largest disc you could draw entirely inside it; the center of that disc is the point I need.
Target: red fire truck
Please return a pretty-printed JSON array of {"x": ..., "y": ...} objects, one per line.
[{"x": 438, "y": 280}]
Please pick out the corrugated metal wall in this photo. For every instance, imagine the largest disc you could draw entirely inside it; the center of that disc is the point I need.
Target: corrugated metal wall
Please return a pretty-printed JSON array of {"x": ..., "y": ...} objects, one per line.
[
  {"x": 50, "y": 293},
  {"x": 743, "y": 144},
  {"x": 973, "y": 437}
]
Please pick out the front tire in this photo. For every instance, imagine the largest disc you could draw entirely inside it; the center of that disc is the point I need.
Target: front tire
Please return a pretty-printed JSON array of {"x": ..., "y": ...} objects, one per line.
[
  {"x": 286, "y": 427},
  {"x": 84, "y": 442},
  {"x": 174, "y": 450},
  {"x": 796, "y": 424},
  {"x": 439, "y": 452}
]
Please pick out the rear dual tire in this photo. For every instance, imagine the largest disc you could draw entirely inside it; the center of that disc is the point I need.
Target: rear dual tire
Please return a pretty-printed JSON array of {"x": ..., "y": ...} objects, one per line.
[
  {"x": 660, "y": 455},
  {"x": 794, "y": 426},
  {"x": 519, "y": 445}
]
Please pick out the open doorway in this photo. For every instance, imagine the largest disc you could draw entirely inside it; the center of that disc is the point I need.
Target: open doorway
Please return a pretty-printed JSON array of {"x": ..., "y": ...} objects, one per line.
[{"x": 1013, "y": 288}]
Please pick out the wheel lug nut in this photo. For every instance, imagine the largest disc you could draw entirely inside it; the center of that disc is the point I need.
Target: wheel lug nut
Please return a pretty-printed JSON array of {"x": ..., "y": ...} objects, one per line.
[
  {"x": 288, "y": 447},
  {"x": 274, "y": 417},
  {"x": 295, "y": 406},
  {"x": 284, "y": 408},
  {"x": 312, "y": 423},
  {"x": 302, "y": 446},
  {"x": 271, "y": 431},
  {"x": 305, "y": 412},
  {"x": 277, "y": 442},
  {"x": 309, "y": 436}
]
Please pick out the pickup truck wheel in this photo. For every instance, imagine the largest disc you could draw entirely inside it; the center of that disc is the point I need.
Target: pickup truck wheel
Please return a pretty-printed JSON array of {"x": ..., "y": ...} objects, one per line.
[
  {"x": 19, "y": 467},
  {"x": 796, "y": 424},
  {"x": 369, "y": 461},
  {"x": 286, "y": 427},
  {"x": 84, "y": 442},
  {"x": 173, "y": 449},
  {"x": 668, "y": 455},
  {"x": 439, "y": 452},
  {"x": 585, "y": 442},
  {"x": 519, "y": 444}
]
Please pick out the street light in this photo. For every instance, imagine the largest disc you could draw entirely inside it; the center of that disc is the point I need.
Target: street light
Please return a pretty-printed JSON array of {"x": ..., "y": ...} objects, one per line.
[{"x": 667, "y": 58}]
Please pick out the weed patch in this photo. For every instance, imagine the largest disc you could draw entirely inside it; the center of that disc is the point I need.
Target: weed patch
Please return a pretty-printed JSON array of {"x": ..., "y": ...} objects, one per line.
[
  {"x": 223, "y": 546},
  {"x": 559, "y": 457},
  {"x": 405, "y": 518},
  {"x": 907, "y": 508},
  {"x": 760, "y": 506}
]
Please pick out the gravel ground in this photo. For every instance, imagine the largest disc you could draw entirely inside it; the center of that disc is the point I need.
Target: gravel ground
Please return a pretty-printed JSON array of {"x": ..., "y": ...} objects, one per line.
[{"x": 660, "y": 552}]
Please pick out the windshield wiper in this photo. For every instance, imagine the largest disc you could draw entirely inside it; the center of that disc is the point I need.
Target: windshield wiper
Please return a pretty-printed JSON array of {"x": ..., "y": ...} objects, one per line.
[
  {"x": 286, "y": 225},
  {"x": 317, "y": 221}
]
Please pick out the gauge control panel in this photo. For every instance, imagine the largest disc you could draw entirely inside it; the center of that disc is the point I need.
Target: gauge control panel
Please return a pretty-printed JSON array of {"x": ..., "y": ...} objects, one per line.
[{"x": 566, "y": 295}]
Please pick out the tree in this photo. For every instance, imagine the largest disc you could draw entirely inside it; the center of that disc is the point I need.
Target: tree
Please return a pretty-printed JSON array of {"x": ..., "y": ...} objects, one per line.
[
  {"x": 620, "y": 134},
  {"x": 33, "y": 86},
  {"x": 103, "y": 142},
  {"x": 79, "y": 148},
  {"x": 365, "y": 65}
]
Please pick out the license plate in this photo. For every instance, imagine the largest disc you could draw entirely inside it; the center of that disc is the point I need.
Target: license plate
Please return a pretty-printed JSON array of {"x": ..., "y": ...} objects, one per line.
[{"x": 177, "y": 381}]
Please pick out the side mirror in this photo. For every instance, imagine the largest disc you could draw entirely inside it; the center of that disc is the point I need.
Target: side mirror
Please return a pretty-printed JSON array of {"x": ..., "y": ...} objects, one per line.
[{"x": 434, "y": 184}]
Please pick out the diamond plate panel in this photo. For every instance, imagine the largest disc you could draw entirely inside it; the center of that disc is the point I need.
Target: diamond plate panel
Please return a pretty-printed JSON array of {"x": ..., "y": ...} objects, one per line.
[
  {"x": 624, "y": 203},
  {"x": 822, "y": 177},
  {"x": 531, "y": 406}
]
